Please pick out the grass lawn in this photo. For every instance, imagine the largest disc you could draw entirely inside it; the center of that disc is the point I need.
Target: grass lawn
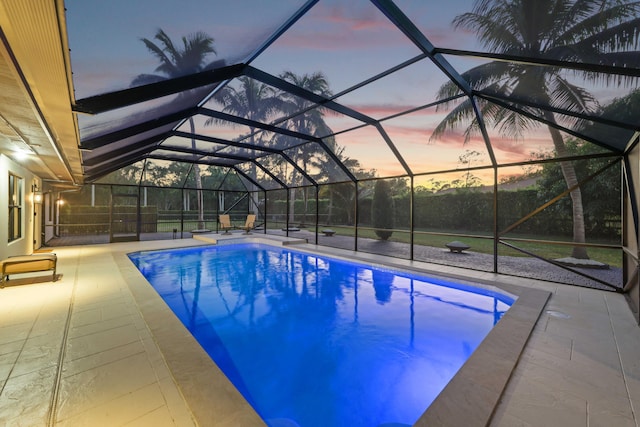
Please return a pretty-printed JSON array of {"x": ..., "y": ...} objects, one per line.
[{"x": 612, "y": 257}]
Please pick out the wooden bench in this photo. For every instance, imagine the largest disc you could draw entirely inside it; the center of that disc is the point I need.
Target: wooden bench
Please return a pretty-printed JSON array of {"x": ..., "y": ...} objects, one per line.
[{"x": 27, "y": 264}]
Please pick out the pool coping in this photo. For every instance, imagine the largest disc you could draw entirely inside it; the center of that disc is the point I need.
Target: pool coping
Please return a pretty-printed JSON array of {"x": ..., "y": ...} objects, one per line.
[{"x": 469, "y": 399}]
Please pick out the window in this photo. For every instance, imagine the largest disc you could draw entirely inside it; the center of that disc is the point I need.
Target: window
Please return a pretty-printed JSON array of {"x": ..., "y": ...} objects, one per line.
[{"x": 15, "y": 207}]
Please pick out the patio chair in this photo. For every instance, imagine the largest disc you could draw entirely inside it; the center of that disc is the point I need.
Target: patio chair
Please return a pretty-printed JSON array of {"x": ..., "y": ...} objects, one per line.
[
  {"x": 225, "y": 223},
  {"x": 249, "y": 224}
]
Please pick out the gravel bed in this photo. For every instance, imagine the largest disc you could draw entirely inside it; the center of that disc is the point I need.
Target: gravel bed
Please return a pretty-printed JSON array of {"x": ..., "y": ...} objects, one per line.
[{"x": 517, "y": 266}]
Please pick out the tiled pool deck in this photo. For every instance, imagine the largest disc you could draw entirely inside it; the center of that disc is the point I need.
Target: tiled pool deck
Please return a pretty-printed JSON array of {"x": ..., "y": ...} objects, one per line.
[{"x": 98, "y": 348}]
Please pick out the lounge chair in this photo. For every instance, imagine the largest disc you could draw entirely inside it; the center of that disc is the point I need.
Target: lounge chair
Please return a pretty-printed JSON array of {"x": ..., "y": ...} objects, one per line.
[
  {"x": 225, "y": 223},
  {"x": 249, "y": 224},
  {"x": 27, "y": 264}
]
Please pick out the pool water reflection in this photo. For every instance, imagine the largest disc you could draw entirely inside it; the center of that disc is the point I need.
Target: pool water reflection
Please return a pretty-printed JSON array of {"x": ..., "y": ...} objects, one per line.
[{"x": 317, "y": 341}]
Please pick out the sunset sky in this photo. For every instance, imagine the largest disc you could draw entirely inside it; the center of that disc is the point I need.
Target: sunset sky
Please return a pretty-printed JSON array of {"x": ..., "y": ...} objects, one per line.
[{"x": 348, "y": 41}]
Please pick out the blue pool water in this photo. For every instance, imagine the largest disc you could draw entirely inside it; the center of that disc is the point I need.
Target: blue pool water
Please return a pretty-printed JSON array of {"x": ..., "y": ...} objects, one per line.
[{"x": 316, "y": 341}]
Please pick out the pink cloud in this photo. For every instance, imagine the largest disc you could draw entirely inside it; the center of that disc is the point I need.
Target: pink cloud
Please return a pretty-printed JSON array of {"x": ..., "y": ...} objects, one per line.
[
  {"x": 507, "y": 146},
  {"x": 404, "y": 132},
  {"x": 356, "y": 20},
  {"x": 344, "y": 28},
  {"x": 381, "y": 110}
]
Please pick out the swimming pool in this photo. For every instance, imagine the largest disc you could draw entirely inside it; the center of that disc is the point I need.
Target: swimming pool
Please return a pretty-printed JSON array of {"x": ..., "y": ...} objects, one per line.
[{"x": 333, "y": 343}]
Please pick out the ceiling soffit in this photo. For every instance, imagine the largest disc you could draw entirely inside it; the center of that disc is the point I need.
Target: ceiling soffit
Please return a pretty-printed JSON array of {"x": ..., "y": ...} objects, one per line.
[{"x": 36, "y": 97}]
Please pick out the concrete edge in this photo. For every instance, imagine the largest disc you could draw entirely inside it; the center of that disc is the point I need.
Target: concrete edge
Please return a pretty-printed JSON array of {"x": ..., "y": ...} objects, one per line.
[
  {"x": 469, "y": 399},
  {"x": 211, "y": 397}
]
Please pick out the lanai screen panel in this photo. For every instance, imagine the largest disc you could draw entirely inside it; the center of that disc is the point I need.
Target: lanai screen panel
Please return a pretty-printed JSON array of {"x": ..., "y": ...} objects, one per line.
[
  {"x": 221, "y": 129},
  {"x": 414, "y": 86},
  {"x": 127, "y": 175},
  {"x": 317, "y": 162},
  {"x": 92, "y": 126},
  {"x": 434, "y": 20},
  {"x": 121, "y": 149},
  {"x": 374, "y": 66},
  {"x": 129, "y": 143},
  {"x": 347, "y": 42},
  {"x": 105, "y": 60},
  {"x": 108, "y": 53},
  {"x": 252, "y": 99},
  {"x": 413, "y": 134},
  {"x": 567, "y": 97},
  {"x": 365, "y": 152},
  {"x": 175, "y": 155},
  {"x": 284, "y": 170},
  {"x": 164, "y": 173},
  {"x": 210, "y": 175},
  {"x": 573, "y": 33},
  {"x": 535, "y": 142},
  {"x": 213, "y": 176},
  {"x": 258, "y": 175},
  {"x": 247, "y": 153},
  {"x": 280, "y": 142},
  {"x": 335, "y": 122},
  {"x": 187, "y": 144}
]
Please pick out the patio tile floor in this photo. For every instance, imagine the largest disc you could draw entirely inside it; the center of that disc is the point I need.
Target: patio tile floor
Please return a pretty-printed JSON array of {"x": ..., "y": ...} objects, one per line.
[{"x": 80, "y": 352}]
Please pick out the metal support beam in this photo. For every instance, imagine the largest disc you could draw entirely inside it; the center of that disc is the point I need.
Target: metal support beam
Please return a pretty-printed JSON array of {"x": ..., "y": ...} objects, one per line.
[
  {"x": 299, "y": 169},
  {"x": 312, "y": 97},
  {"x": 149, "y": 125},
  {"x": 255, "y": 124},
  {"x": 411, "y": 217},
  {"x": 404, "y": 24},
  {"x": 248, "y": 178},
  {"x": 483, "y": 130},
  {"x": 141, "y": 147},
  {"x": 122, "y": 98},
  {"x": 221, "y": 141},
  {"x": 268, "y": 172},
  {"x": 393, "y": 148},
  {"x": 619, "y": 70}
]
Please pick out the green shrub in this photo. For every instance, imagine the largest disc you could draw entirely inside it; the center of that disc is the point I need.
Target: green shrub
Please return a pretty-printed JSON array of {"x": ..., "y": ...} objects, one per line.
[{"x": 382, "y": 210}]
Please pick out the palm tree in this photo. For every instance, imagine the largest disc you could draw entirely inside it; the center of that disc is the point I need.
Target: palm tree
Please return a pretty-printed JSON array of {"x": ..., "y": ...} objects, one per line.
[
  {"x": 310, "y": 122},
  {"x": 251, "y": 100},
  {"x": 591, "y": 31},
  {"x": 177, "y": 61},
  {"x": 345, "y": 192}
]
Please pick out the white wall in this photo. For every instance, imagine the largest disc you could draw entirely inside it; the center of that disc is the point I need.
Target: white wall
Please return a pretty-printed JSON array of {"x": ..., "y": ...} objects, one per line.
[{"x": 24, "y": 245}]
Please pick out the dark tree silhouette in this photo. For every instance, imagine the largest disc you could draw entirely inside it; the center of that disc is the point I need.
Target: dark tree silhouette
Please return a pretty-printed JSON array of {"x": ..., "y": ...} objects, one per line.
[
  {"x": 177, "y": 61},
  {"x": 592, "y": 31},
  {"x": 382, "y": 210}
]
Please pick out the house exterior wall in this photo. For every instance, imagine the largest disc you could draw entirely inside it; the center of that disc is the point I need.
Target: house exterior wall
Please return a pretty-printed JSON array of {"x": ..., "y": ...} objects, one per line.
[{"x": 30, "y": 224}]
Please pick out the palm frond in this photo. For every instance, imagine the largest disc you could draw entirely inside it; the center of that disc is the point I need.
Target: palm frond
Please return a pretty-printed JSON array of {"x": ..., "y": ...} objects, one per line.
[
  {"x": 166, "y": 66},
  {"x": 176, "y": 62},
  {"x": 145, "y": 79},
  {"x": 488, "y": 74},
  {"x": 169, "y": 65},
  {"x": 196, "y": 47},
  {"x": 511, "y": 123},
  {"x": 494, "y": 34},
  {"x": 594, "y": 21},
  {"x": 462, "y": 113},
  {"x": 568, "y": 96},
  {"x": 478, "y": 78}
]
